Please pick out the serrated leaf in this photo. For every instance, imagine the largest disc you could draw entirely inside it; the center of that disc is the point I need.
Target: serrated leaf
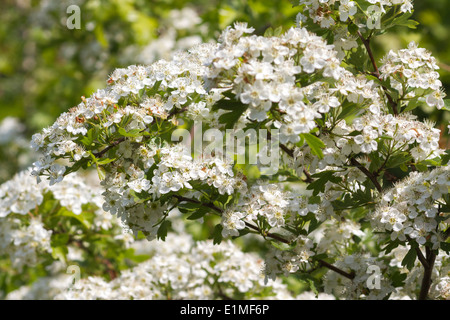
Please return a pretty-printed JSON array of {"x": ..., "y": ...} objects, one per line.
[
  {"x": 445, "y": 246},
  {"x": 200, "y": 213},
  {"x": 398, "y": 279},
  {"x": 217, "y": 234},
  {"x": 230, "y": 118},
  {"x": 391, "y": 246},
  {"x": 398, "y": 159},
  {"x": 163, "y": 229},
  {"x": 312, "y": 286},
  {"x": 132, "y": 133},
  {"x": 403, "y": 20},
  {"x": 318, "y": 185},
  {"x": 410, "y": 259},
  {"x": 314, "y": 143}
]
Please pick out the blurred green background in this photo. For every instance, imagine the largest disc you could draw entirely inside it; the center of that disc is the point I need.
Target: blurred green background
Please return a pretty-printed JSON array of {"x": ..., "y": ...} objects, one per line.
[{"x": 45, "y": 67}]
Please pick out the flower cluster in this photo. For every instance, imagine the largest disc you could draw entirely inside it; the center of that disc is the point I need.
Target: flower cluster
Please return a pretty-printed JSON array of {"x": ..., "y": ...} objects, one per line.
[
  {"x": 287, "y": 261},
  {"x": 178, "y": 269},
  {"x": 265, "y": 72},
  {"x": 412, "y": 208},
  {"x": 173, "y": 170},
  {"x": 361, "y": 286},
  {"x": 339, "y": 15},
  {"x": 328, "y": 12},
  {"x": 412, "y": 72},
  {"x": 439, "y": 288},
  {"x": 442, "y": 288},
  {"x": 24, "y": 236},
  {"x": 150, "y": 92},
  {"x": 334, "y": 236},
  {"x": 24, "y": 244},
  {"x": 268, "y": 202},
  {"x": 403, "y": 133},
  {"x": 339, "y": 133}
]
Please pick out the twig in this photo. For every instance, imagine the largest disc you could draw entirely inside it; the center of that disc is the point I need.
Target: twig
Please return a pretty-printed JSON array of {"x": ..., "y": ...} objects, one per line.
[
  {"x": 369, "y": 174},
  {"x": 269, "y": 235},
  {"x": 350, "y": 276},
  {"x": 376, "y": 73},
  {"x": 290, "y": 153},
  {"x": 118, "y": 141}
]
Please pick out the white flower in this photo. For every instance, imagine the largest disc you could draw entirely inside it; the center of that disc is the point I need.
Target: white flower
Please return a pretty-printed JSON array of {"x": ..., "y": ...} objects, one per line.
[{"x": 346, "y": 9}]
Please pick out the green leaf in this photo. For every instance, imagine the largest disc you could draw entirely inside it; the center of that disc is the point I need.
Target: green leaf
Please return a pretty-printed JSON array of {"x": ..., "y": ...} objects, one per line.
[
  {"x": 268, "y": 33},
  {"x": 60, "y": 253},
  {"x": 230, "y": 118},
  {"x": 445, "y": 157},
  {"x": 403, "y": 20},
  {"x": 398, "y": 279},
  {"x": 410, "y": 258},
  {"x": 101, "y": 173},
  {"x": 132, "y": 133},
  {"x": 163, "y": 229},
  {"x": 312, "y": 286},
  {"x": 318, "y": 185},
  {"x": 375, "y": 162},
  {"x": 278, "y": 31},
  {"x": 76, "y": 166},
  {"x": 154, "y": 89},
  {"x": 398, "y": 159},
  {"x": 353, "y": 28},
  {"x": 391, "y": 246},
  {"x": 421, "y": 167},
  {"x": 446, "y": 247},
  {"x": 348, "y": 109},
  {"x": 413, "y": 104},
  {"x": 314, "y": 143},
  {"x": 89, "y": 138},
  {"x": 313, "y": 225},
  {"x": 59, "y": 239},
  {"x": 217, "y": 234},
  {"x": 225, "y": 104},
  {"x": 85, "y": 218},
  {"x": 446, "y": 106},
  {"x": 281, "y": 246},
  {"x": 199, "y": 213},
  {"x": 188, "y": 207}
]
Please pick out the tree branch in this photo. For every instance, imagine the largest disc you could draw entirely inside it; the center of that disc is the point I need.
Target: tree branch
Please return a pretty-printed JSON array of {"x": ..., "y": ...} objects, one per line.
[
  {"x": 325, "y": 264},
  {"x": 428, "y": 272},
  {"x": 269, "y": 235},
  {"x": 366, "y": 43},
  {"x": 369, "y": 174},
  {"x": 118, "y": 141},
  {"x": 420, "y": 255}
]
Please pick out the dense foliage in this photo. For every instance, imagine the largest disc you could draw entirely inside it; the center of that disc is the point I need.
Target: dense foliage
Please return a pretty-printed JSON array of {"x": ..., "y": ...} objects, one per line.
[{"x": 306, "y": 144}]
